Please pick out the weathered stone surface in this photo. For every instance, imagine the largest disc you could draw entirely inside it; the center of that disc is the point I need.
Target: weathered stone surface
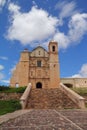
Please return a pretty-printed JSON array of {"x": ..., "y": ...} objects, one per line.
[
  {"x": 48, "y": 120},
  {"x": 49, "y": 98},
  {"x": 8, "y": 96},
  {"x": 79, "y": 117}
]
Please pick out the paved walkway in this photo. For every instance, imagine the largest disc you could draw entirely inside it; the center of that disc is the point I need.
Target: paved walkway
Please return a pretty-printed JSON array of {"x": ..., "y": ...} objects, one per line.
[
  {"x": 48, "y": 120},
  {"x": 12, "y": 115}
]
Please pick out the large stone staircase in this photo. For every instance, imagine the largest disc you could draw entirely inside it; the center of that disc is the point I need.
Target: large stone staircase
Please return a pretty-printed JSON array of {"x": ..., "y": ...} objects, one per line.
[{"x": 49, "y": 99}]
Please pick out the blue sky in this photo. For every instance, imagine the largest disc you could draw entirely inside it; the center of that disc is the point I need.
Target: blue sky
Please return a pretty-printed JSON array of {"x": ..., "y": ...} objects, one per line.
[{"x": 28, "y": 23}]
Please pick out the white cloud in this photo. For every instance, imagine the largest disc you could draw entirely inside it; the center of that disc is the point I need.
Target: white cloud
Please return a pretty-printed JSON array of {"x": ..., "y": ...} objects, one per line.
[
  {"x": 77, "y": 27},
  {"x": 13, "y": 8},
  {"x": 35, "y": 25},
  {"x": 34, "y": 3},
  {"x": 82, "y": 73},
  {"x": 1, "y": 67},
  {"x": 2, "y": 3},
  {"x": 62, "y": 39},
  {"x": 1, "y": 76},
  {"x": 77, "y": 24},
  {"x": 3, "y": 58},
  {"x": 76, "y": 76},
  {"x": 12, "y": 69},
  {"x": 6, "y": 81},
  {"x": 66, "y": 8}
]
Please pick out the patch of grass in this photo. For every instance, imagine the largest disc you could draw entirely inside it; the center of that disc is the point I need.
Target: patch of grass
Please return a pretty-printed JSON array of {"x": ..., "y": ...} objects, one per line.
[
  {"x": 9, "y": 106},
  {"x": 80, "y": 91},
  {"x": 12, "y": 90}
]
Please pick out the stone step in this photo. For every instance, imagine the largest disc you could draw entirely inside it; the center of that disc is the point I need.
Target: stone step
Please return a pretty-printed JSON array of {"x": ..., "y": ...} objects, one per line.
[{"x": 49, "y": 98}]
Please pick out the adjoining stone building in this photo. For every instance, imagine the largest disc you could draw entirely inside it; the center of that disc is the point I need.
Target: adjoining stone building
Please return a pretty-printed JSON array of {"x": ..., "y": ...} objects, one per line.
[
  {"x": 38, "y": 67},
  {"x": 74, "y": 82}
]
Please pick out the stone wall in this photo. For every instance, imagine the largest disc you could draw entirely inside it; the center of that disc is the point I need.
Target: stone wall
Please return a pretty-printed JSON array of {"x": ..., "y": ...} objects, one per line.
[
  {"x": 8, "y": 96},
  {"x": 74, "y": 82}
]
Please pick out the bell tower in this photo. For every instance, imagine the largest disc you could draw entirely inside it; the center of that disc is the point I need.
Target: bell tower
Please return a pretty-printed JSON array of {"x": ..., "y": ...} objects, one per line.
[{"x": 54, "y": 64}]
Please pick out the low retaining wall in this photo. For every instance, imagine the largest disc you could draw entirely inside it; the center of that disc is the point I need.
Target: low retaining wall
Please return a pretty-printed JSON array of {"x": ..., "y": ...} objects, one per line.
[
  {"x": 24, "y": 97},
  {"x": 9, "y": 96},
  {"x": 80, "y": 101}
]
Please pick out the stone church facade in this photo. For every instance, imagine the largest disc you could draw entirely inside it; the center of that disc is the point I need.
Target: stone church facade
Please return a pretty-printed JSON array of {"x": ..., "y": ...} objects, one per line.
[{"x": 38, "y": 67}]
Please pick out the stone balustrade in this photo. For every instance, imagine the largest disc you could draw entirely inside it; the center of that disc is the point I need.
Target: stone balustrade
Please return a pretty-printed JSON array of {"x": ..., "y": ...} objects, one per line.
[
  {"x": 79, "y": 100},
  {"x": 24, "y": 97}
]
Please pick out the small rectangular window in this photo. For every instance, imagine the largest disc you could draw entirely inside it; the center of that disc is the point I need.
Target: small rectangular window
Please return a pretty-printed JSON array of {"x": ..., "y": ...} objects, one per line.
[{"x": 38, "y": 63}]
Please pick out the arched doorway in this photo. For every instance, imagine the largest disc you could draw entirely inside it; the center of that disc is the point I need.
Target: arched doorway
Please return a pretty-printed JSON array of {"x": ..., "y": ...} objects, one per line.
[
  {"x": 38, "y": 85},
  {"x": 69, "y": 85}
]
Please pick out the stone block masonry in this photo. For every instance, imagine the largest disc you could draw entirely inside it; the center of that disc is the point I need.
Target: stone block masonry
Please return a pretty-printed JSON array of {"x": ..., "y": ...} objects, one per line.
[
  {"x": 38, "y": 67},
  {"x": 74, "y": 82}
]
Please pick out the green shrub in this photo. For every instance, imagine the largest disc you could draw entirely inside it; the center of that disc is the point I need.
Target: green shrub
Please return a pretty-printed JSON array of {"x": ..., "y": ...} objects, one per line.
[
  {"x": 12, "y": 90},
  {"x": 9, "y": 106},
  {"x": 3, "y": 88}
]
